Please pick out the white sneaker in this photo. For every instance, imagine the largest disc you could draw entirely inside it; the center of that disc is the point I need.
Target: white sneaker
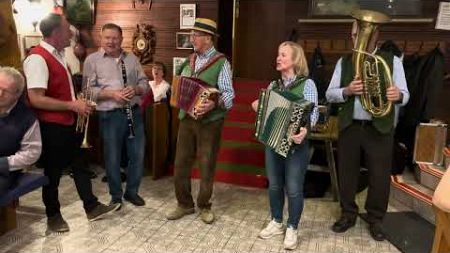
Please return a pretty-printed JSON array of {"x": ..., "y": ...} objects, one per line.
[
  {"x": 273, "y": 228},
  {"x": 290, "y": 239}
]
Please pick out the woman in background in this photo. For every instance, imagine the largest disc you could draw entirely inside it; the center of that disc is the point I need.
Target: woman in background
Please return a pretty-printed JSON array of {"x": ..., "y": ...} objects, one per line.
[
  {"x": 159, "y": 86},
  {"x": 288, "y": 174}
]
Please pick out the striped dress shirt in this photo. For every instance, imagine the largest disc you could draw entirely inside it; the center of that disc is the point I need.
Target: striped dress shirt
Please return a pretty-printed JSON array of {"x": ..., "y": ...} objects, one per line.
[{"x": 224, "y": 83}]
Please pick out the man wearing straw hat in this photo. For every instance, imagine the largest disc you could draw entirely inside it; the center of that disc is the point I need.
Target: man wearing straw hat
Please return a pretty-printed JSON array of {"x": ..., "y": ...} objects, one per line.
[{"x": 201, "y": 137}]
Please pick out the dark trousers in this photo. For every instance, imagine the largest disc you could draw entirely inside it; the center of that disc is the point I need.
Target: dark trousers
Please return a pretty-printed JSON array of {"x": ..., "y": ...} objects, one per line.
[
  {"x": 377, "y": 148},
  {"x": 196, "y": 139},
  {"x": 60, "y": 149}
]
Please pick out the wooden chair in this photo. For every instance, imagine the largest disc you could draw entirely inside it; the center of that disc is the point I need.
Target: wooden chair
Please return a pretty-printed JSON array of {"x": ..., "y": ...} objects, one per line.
[{"x": 441, "y": 243}]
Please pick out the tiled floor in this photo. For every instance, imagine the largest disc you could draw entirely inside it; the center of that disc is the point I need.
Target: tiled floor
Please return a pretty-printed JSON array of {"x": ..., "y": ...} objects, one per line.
[{"x": 241, "y": 213}]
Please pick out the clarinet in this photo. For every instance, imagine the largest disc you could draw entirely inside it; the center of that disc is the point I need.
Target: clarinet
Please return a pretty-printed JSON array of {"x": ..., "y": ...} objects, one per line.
[{"x": 128, "y": 110}]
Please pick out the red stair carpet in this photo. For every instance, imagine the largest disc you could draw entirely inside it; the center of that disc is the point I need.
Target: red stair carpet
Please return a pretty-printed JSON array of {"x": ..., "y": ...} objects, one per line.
[{"x": 241, "y": 157}]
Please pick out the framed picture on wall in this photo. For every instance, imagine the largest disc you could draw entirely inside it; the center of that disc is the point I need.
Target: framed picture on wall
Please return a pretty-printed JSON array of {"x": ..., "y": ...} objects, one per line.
[
  {"x": 29, "y": 41},
  {"x": 187, "y": 16},
  {"x": 183, "y": 40},
  {"x": 80, "y": 12},
  {"x": 177, "y": 61},
  {"x": 345, "y": 7}
]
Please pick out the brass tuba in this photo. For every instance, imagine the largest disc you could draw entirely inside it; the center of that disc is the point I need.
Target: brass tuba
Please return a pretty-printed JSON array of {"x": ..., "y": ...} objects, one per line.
[
  {"x": 366, "y": 64},
  {"x": 82, "y": 125}
]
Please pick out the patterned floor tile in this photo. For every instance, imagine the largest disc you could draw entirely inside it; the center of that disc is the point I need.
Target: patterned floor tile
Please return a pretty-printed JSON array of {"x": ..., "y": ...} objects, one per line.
[{"x": 241, "y": 213}]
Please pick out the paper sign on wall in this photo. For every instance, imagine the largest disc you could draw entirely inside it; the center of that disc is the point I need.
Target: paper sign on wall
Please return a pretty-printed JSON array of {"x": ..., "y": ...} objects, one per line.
[{"x": 443, "y": 18}]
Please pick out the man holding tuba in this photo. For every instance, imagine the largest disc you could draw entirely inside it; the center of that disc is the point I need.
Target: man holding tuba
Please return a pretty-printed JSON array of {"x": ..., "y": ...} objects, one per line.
[{"x": 369, "y": 86}]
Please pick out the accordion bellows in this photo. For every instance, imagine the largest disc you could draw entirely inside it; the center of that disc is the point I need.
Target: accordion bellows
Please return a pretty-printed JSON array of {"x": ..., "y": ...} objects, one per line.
[
  {"x": 189, "y": 92},
  {"x": 280, "y": 115}
]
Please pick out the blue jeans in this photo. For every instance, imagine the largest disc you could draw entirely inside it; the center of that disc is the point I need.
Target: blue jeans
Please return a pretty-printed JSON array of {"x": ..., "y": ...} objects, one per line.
[
  {"x": 287, "y": 174},
  {"x": 114, "y": 131}
]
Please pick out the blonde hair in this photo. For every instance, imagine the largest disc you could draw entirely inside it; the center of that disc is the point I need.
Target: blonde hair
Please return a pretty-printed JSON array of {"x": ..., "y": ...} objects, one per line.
[{"x": 298, "y": 57}]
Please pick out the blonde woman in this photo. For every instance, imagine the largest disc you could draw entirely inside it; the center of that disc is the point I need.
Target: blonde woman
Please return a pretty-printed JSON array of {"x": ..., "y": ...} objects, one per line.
[{"x": 288, "y": 174}]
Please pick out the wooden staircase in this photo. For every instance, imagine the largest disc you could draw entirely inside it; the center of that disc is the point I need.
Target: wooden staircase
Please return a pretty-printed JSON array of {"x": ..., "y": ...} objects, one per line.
[{"x": 415, "y": 190}]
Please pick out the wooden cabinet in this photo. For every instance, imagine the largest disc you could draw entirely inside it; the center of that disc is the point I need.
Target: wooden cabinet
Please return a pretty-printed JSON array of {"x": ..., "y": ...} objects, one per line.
[{"x": 159, "y": 133}]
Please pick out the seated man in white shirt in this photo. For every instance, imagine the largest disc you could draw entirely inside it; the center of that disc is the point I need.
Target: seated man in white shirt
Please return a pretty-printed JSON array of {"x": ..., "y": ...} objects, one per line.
[{"x": 20, "y": 137}]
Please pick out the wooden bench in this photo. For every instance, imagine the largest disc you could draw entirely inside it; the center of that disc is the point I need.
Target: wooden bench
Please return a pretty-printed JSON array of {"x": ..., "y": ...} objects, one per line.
[{"x": 26, "y": 183}]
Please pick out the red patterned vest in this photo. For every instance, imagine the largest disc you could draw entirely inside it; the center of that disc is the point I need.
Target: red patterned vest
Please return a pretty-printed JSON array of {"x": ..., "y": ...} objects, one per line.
[{"x": 58, "y": 88}]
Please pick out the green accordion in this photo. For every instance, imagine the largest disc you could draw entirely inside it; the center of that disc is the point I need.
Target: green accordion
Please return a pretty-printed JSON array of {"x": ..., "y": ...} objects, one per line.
[{"x": 280, "y": 115}]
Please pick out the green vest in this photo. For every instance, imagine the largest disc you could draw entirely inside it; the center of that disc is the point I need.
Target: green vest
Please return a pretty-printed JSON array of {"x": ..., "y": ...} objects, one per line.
[
  {"x": 210, "y": 76},
  {"x": 296, "y": 88},
  {"x": 345, "y": 115}
]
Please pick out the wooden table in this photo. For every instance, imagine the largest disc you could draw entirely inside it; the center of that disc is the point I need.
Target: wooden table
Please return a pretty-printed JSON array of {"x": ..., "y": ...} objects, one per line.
[{"x": 327, "y": 137}]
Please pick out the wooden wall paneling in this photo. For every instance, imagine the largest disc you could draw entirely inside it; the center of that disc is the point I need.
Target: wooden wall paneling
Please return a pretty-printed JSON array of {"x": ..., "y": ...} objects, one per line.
[
  {"x": 260, "y": 31},
  {"x": 259, "y": 37},
  {"x": 310, "y": 45},
  {"x": 325, "y": 45},
  {"x": 164, "y": 17}
]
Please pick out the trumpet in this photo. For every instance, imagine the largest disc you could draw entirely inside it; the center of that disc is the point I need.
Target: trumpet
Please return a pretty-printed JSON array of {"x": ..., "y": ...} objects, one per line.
[{"x": 82, "y": 125}]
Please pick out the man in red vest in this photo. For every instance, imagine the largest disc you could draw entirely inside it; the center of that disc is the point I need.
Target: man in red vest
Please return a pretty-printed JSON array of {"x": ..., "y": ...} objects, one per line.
[{"x": 51, "y": 93}]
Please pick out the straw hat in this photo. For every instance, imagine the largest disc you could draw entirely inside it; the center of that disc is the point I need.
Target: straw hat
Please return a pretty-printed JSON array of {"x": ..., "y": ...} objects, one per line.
[{"x": 205, "y": 25}]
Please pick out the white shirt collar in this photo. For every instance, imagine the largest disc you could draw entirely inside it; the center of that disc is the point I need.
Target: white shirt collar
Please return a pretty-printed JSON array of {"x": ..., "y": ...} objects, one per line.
[{"x": 51, "y": 49}]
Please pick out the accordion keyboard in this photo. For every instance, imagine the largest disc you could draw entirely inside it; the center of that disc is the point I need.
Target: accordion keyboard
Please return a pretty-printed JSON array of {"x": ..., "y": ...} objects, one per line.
[{"x": 278, "y": 118}]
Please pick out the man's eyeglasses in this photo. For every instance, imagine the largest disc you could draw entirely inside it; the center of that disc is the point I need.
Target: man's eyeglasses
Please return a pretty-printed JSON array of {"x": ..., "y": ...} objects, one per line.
[
  {"x": 195, "y": 35},
  {"x": 5, "y": 91}
]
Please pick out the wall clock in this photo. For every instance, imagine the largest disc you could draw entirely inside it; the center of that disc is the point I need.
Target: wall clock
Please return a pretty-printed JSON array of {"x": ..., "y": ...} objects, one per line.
[{"x": 144, "y": 42}]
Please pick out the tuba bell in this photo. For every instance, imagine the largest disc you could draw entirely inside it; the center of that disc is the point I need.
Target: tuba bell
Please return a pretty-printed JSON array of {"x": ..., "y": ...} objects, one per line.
[{"x": 366, "y": 65}]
